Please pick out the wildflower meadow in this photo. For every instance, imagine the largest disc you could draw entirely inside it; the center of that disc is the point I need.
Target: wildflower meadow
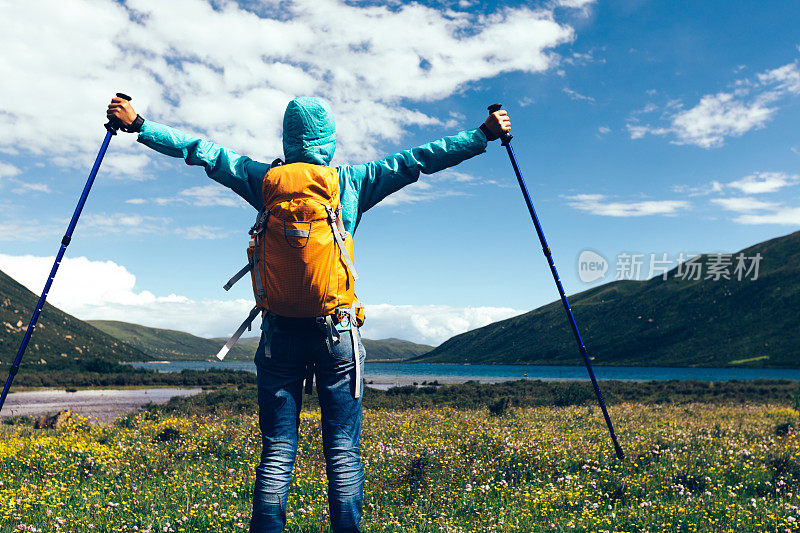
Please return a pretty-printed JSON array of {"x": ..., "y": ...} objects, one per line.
[{"x": 694, "y": 467}]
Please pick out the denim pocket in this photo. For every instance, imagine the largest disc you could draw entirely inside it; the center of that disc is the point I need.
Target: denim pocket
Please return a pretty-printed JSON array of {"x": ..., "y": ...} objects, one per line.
[{"x": 343, "y": 350}]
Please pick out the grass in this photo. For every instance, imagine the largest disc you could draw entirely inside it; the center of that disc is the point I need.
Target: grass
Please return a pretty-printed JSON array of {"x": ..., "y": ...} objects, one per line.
[
  {"x": 521, "y": 393},
  {"x": 692, "y": 467},
  {"x": 751, "y": 360},
  {"x": 122, "y": 376}
]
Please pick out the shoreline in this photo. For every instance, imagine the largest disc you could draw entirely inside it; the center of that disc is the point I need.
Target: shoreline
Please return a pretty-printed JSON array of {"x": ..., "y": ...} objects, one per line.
[{"x": 102, "y": 405}]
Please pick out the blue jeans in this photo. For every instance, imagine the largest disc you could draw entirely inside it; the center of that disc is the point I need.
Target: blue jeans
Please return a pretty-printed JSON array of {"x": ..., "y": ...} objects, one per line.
[{"x": 281, "y": 368}]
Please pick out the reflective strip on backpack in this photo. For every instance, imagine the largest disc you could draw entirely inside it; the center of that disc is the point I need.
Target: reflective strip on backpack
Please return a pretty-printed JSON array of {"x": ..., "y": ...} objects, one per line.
[
  {"x": 336, "y": 235},
  {"x": 246, "y": 324},
  {"x": 291, "y": 232}
]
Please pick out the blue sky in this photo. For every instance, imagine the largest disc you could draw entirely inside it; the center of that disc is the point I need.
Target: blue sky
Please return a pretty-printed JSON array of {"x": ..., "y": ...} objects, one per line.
[{"x": 641, "y": 127}]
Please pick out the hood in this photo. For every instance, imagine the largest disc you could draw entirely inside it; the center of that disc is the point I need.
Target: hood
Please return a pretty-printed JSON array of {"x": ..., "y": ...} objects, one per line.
[{"x": 309, "y": 132}]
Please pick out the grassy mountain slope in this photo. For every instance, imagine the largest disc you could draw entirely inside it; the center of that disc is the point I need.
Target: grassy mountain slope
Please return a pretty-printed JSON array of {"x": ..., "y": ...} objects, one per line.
[
  {"x": 393, "y": 349},
  {"x": 59, "y": 339},
  {"x": 676, "y": 322},
  {"x": 172, "y": 345}
]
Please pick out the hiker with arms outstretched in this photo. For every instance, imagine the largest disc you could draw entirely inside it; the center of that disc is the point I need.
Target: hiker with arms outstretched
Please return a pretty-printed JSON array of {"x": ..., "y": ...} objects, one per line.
[{"x": 307, "y": 214}]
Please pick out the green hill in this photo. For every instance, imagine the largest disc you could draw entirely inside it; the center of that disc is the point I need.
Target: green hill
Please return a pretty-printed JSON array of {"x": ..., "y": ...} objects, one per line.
[
  {"x": 172, "y": 345},
  {"x": 673, "y": 322},
  {"x": 60, "y": 340},
  {"x": 393, "y": 349}
]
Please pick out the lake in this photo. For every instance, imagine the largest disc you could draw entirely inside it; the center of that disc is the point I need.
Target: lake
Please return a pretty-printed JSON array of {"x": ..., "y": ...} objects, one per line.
[{"x": 384, "y": 375}]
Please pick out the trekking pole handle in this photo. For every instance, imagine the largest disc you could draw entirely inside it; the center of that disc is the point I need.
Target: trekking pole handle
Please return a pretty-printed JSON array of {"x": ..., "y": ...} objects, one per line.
[
  {"x": 114, "y": 124},
  {"x": 505, "y": 138}
]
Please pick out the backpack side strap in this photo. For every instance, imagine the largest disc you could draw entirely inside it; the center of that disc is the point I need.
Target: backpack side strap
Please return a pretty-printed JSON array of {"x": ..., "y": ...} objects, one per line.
[
  {"x": 245, "y": 325},
  {"x": 239, "y": 275},
  {"x": 255, "y": 231}
]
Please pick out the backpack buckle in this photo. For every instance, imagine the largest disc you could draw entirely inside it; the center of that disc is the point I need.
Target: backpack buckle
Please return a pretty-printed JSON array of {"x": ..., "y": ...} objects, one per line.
[{"x": 261, "y": 222}]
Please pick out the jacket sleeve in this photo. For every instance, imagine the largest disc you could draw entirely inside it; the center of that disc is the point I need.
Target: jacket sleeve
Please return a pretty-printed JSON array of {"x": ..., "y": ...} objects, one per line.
[
  {"x": 363, "y": 186},
  {"x": 240, "y": 173}
]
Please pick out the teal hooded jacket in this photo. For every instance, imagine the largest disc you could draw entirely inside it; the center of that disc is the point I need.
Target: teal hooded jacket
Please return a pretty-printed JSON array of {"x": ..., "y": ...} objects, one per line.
[{"x": 309, "y": 136}]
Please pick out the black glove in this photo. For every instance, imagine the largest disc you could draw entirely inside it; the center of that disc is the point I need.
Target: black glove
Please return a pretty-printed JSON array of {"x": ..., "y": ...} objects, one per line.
[{"x": 484, "y": 129}]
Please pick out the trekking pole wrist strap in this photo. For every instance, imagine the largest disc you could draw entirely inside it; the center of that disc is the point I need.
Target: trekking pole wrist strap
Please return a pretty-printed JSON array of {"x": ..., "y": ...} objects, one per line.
[{"x": 136, "y": 125}]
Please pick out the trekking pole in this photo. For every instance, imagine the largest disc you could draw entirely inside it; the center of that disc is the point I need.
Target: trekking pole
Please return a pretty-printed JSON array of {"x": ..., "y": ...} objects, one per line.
[
  {"x": 112, "y": 126},
  {"x": 505, "y": 140}
]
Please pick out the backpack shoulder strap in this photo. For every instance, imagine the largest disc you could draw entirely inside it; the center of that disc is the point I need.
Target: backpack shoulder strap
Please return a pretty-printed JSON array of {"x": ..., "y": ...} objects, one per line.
[{"x": 333, "y": 220}]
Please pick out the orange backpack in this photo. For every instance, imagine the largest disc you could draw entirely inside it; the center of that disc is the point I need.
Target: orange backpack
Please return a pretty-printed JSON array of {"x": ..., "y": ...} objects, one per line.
[{"x": 300, "y": 257}]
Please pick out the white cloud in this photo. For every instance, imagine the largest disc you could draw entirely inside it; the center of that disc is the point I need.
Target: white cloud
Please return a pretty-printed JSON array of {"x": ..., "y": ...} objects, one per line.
[
  {"x": 575, "y": 4},
  {"x": 428, "y": 324},
  {"x": 451, "y": 175},
  {"x": 603, "y": 130},
  {"x": 716, "y": 117},
  {"x": 30, "y": 230},
  {"x": 121, "y": 166},
  {"x": 211, "y": 195},
  {"x": 576, "y": 95},
  {"x": 756, "y": 183},
  {"x": 702, "y": 190},
  {"x": 583, "y": 7},
  {"x": 743, "y": 204},
  {"x": 444, "y": 184},
  {"x": 719, "y": 116},
  {"x": 420, "y": 191},
  {"x": 784, "y": 79},
  {"x": 233, "y": 82},
  {"x": 756, "y": 210},
  {"x": 203, "y": 232},
  {"x": 764, "y": 182},
  {"x": 8, "y": 170},
  {"x": 201, "y": 196},
  {"x": 598, "y": 204},
  {"x": 124, "y": 223},
  {"x": 23, "y": 188},
  {"x": 105, "y": 290},
  {"x": 784, "y": 216}
]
